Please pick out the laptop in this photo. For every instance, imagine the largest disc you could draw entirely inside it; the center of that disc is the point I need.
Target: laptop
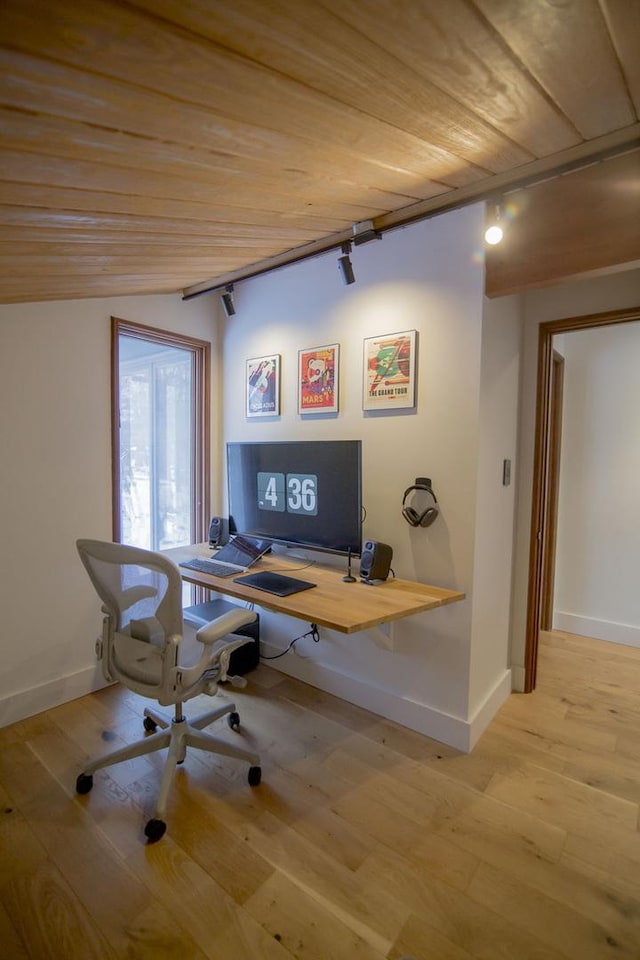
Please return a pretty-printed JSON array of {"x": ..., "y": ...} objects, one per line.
[{"x": 235, "y": 557}]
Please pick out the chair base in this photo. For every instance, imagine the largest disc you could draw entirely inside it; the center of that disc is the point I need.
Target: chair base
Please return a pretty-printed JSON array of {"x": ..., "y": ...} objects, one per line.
[{"x": 177, "y": 733}]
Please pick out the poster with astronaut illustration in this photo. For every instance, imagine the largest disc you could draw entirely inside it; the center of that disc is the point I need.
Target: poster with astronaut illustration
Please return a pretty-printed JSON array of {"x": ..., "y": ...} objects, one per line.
[
  {"x": 318, "y": 379},
  {"x": 263, "y": 386}
]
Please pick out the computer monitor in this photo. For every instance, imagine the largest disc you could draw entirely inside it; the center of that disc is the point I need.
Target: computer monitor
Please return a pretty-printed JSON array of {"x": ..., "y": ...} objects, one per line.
[{"x": 305, "y": 493}]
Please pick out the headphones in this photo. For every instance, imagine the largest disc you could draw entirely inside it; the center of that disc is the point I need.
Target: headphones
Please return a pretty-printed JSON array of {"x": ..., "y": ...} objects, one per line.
[{"x": 426, "y": 518}]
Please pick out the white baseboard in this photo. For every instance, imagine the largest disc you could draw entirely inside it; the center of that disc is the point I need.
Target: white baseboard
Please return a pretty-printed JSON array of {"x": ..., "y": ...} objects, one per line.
[
  {"x": 599, "y": 629},
  {"x": 518, "y": 676},
  {"x": 27, "y": 703},
  {"x": 489, "y": 707},
  {"x": 454, "y": 731}
]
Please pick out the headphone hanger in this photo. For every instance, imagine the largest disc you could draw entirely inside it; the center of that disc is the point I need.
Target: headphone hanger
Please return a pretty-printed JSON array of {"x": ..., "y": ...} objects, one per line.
[{"x": 423, "y": 518}]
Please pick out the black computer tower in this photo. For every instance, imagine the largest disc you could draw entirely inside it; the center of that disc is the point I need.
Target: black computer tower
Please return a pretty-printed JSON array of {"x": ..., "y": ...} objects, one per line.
[{"x": 244, "y": 659}]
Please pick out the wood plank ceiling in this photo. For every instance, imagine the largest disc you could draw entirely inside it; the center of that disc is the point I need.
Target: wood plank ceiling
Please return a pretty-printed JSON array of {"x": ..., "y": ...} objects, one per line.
[{"x": 151, "y": 146}]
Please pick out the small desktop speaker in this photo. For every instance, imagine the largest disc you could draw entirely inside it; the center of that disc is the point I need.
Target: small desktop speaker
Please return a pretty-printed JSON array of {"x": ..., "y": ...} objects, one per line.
[
  {"x": 375, "y": 561},
  {"x": 218, "y": 531}
]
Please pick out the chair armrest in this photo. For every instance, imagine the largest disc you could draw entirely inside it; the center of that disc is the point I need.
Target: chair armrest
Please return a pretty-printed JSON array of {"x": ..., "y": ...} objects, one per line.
[
  {"x": 217, "y": 650},
  {"x": 227, "y": 623}
]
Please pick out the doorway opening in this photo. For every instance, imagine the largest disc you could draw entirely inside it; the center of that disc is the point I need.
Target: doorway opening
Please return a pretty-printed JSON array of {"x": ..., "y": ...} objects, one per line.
[{"x": 543, "y": 508}]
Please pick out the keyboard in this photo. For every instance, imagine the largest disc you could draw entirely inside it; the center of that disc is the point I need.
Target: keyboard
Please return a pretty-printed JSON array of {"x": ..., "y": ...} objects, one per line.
[{"x": 216, "y": 568}]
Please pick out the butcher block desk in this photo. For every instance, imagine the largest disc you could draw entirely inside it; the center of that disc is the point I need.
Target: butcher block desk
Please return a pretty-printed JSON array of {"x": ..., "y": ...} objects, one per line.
[{"x": 346, "y": 607}]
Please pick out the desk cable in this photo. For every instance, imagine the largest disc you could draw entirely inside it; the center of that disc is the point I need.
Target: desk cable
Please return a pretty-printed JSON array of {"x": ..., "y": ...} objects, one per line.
[{"x": 313, "y": 632}]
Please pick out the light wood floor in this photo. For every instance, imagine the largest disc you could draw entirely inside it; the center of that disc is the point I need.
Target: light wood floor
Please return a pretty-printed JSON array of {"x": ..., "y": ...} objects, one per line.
[{"x": 363, "y": 841}]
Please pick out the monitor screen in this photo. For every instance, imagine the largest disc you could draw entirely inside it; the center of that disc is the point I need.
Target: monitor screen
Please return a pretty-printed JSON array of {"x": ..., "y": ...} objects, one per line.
[{"x": 304, "y": 493}]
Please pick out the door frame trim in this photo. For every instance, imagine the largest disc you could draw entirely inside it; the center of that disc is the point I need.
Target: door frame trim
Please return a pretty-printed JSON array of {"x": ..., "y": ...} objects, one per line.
[{"x": 539, "y": 493}]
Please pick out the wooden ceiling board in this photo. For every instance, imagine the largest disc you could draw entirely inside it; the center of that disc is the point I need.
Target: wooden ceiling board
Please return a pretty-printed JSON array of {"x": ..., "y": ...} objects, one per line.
[
  {"x": 589, "y": 88},
  {"x": 53, "y": 198},
  {"x": 346, "y": 67},
  {"x": 78, "y": 142},
  {"x": 31, "y": 85},
  {"x": 623, "y": 21},
  {"x": 28, "y": 223},
  {"x": 432, "y": 39},
  {"x": 65, "y": 172},
  {"x": 210, "y": 222},
  {"x": 168, "y": 145},
  {"x": 145, "y": 52}
]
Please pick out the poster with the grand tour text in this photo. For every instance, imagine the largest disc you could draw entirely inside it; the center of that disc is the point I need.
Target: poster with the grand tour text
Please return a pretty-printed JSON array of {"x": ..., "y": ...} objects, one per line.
[{"x": 389, "y": 371}]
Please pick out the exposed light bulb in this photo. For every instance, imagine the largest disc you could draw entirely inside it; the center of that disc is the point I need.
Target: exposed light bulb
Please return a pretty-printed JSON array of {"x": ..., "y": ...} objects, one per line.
[{"x": 493, "y": 234}]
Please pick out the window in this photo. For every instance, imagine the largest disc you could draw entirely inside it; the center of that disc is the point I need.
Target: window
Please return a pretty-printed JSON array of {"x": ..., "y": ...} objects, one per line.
[{"x": 160, "y": 430}]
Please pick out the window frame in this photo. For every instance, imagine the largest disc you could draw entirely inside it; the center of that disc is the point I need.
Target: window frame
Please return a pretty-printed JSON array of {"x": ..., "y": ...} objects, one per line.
[{"x": 201, "y": 428}]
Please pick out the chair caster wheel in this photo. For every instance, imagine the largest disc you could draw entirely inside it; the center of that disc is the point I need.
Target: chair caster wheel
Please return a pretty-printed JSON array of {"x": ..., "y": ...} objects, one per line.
[
  {"x": 150, "y": 725},
  {"x": 255, "y": 776},
  {"x": 154, "y": 830},
  {"x": 84, "y": 783},
  {"x": 234, "y": 720}
]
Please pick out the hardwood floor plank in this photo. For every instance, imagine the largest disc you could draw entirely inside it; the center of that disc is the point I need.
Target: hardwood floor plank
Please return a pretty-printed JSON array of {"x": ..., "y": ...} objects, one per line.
[
  {"x": 420, "y": 939},
  {"x": 217, "y": 924},
  {"x": 388, "y": 790},
  {"x": 113, "y": 809},
  {"x": 613, "y": 852},
  {"x": 499, "y": 834},
  {"x": 470, "y": 926},
  {"x": 22, "y": 852},
  {"x": 437, "y": 857},
  {"x": 310, "y": 928},
  {"x": 363, "y": 839},
  {"x": 556, "y": 923},
  {"x": 121, "y": 907},
  {"x": 51, "y": 921},
  {"x": 13, "y": 945},
  {"x": 566, "y": 803},
  {"x": 366, "y": 911}
]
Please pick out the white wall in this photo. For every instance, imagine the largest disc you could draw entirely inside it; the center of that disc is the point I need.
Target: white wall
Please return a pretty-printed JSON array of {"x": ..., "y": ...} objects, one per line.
[
  {"x": 587, "y": 296},
  {"x": 500, "y": 374},
  {"x": 598, "y": 546},
  {"x": 55, "y": 476},
  {"x": 426, "y": 277}
]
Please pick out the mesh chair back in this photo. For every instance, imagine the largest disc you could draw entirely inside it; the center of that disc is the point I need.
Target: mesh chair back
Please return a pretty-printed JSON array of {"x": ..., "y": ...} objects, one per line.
[{"x": 142, "y": 593}]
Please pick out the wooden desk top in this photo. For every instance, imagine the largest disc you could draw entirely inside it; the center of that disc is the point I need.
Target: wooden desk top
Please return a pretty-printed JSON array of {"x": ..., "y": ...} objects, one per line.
[{"x": 346, "y": 607}]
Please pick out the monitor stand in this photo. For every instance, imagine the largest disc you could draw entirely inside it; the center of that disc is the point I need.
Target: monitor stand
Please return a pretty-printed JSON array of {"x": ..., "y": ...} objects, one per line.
[{"x": 349, "y": 578}]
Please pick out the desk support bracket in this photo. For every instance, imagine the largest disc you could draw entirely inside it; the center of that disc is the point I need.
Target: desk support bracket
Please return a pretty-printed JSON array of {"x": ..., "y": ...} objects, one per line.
[{"x": 383, "y": 635}]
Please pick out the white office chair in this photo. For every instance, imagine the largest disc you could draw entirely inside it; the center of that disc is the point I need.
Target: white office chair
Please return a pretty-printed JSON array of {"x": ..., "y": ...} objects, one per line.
[{"x": 147, "y": 647}]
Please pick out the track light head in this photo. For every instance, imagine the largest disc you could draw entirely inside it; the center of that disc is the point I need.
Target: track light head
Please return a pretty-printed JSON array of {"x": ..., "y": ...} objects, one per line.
[
  {"x": 227, "y": 300},
  {"x": 345, "y": 265},
  {"x": 494, "y": 232}
]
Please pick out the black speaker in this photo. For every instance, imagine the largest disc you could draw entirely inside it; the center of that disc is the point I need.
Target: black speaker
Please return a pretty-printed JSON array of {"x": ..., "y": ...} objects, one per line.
[
  {"x": 375, "y": 561},
  {"x": 218, "y": 531},
  {"x": 421, "y": 518}
]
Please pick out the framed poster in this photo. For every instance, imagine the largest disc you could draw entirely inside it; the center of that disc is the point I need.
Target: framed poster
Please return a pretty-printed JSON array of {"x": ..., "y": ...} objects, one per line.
[
  {"x": 389, "y": 371},
  {"x": 263, "y": 386},
  {"x": 318, "y": 370}
]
